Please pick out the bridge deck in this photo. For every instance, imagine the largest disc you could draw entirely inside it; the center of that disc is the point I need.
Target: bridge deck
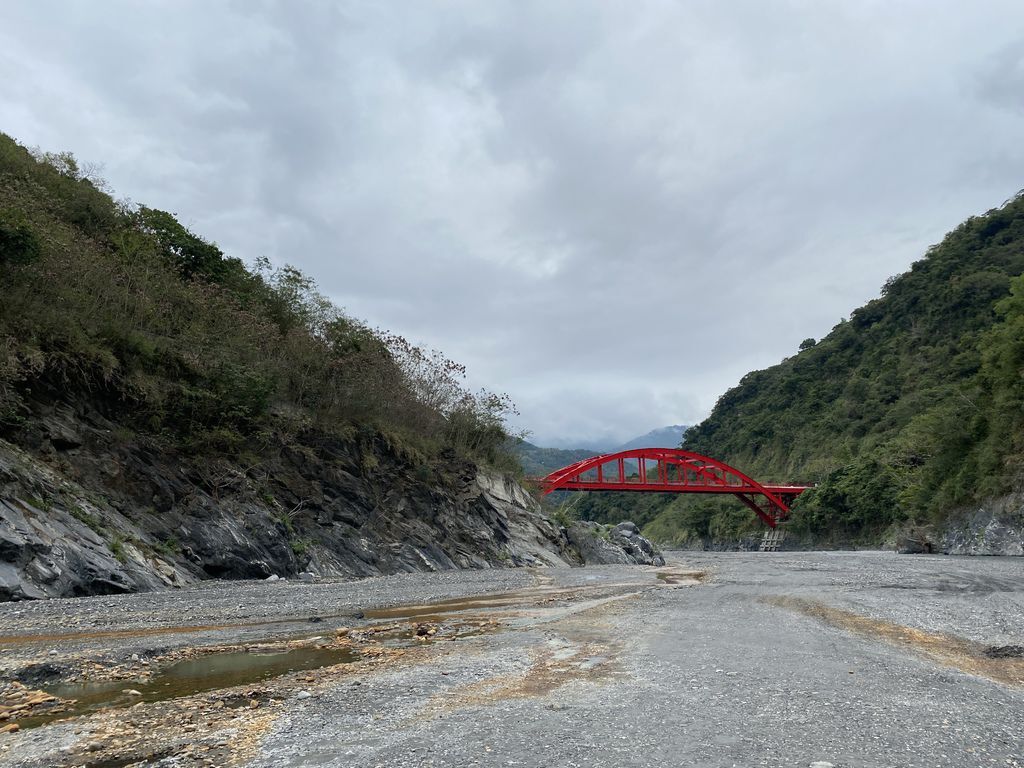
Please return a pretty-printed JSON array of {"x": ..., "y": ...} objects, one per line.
[{"x": 675, "y": 487}]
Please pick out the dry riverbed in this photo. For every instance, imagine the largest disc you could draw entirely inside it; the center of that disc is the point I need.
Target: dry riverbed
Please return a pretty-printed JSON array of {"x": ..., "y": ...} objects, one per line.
[{"x": 848, "y": 659}]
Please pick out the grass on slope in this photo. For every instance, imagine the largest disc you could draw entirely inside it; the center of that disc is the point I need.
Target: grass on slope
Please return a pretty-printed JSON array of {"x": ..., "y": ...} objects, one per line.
[{"x": 123, "y": 307}]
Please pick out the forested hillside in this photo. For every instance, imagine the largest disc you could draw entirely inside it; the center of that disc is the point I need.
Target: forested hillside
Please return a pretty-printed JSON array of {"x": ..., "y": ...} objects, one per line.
[
  {"x": 126, "y": 305},
  {"x": 907, "y": 411}
]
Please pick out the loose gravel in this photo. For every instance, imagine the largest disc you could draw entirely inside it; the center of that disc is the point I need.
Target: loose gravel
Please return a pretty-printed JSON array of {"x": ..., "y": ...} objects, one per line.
[
  {"x": 736, "y": 669},
  {"x": 710, "y": 675}
]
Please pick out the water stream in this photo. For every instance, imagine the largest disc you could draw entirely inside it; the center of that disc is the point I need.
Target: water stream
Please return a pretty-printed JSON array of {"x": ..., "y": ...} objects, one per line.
[{"x": 208, "y": 672}]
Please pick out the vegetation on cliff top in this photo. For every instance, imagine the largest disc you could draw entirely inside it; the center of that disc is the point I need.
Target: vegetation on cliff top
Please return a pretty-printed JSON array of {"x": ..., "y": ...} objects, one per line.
[{"x": 123, "y": 305}]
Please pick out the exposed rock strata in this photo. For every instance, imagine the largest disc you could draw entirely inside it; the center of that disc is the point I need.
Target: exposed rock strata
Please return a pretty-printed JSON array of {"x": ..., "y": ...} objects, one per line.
[
  {"x": 83, "y": 511},
  {"x": 993, "y": 528}
]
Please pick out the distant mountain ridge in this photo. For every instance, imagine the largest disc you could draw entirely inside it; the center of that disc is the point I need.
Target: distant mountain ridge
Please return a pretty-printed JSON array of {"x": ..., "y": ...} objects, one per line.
[
  {"x": 539, "y": 461},
  {"x": 662, "y": 437}
]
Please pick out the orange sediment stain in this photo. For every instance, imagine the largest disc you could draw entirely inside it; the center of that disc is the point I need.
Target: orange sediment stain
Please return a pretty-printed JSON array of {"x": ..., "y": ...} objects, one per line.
[{"x": 948, "y": 650}]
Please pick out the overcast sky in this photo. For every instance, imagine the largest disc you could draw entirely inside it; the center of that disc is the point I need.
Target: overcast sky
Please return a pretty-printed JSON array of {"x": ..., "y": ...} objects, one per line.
[{"x": 611, "y": 211}]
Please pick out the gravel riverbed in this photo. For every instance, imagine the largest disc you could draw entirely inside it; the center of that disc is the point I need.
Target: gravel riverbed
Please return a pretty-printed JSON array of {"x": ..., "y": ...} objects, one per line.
[{"x": 719, "y": 659}]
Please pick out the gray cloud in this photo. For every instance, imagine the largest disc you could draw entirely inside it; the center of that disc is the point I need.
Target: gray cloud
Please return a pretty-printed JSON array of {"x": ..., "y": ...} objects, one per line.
[{"x": 610, "y": 211}]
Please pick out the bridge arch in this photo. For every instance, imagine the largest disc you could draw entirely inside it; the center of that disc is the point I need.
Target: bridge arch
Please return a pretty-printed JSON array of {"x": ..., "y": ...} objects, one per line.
[{"x": 676, "y": 471}]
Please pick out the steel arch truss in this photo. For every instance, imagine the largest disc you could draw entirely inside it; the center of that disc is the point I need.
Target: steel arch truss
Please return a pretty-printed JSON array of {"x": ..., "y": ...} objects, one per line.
[{"x": 673, "y": 470}]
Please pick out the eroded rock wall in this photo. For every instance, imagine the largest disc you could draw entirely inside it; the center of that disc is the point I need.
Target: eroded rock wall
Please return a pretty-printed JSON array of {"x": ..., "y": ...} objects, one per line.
[
  {"x": 993, "y": 528},
  {"x": 87, "y": 509}
]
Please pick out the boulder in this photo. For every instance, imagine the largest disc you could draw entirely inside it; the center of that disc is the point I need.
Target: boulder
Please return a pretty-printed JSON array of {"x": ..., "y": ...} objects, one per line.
[
  {"x": 623, "y": 544},
  {"x": 626, "y": 529},
  {"x": 909, "y": 545}
]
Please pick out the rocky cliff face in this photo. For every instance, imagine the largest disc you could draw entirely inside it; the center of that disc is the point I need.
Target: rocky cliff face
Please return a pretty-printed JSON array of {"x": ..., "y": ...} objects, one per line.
[
  {"x": 993, "y": 528},
  {"x": 87, "y": 509}
]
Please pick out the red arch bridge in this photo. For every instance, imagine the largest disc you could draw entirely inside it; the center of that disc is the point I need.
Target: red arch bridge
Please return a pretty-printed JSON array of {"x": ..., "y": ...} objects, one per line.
[{"x": 673, "y": 470}]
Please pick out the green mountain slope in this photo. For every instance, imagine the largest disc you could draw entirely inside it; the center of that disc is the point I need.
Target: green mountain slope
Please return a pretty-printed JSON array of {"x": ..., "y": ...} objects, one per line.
[
  {"x": 904, "y": 412},
  {"x": 125, "y": 307}
]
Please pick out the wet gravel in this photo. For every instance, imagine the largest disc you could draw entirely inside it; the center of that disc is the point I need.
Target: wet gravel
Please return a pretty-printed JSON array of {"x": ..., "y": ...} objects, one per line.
[
  {"x": 251, "y": 611},
  {"x": 70, "y": 632}
]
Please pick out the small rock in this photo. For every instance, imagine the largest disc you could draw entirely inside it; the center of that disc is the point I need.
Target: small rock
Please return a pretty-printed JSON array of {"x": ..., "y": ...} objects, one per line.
[
  {"x": 821, "y": 764},
  {"x": 1005, "y": 651},
  {"x": 303, "y": 695},
  {"x": 254, "y": 704},
  {"x": 53, "y": 652},
  {"x": 131, "y": 692},
  {"x": 10, "y": 728},
  {"x": 915, "y": 545},
  {"x": 94, "y": 746},
  {"x": 273, "y": 577},
  {"x": 306, "y": 576},
  {"x": 135, "y": 657}
]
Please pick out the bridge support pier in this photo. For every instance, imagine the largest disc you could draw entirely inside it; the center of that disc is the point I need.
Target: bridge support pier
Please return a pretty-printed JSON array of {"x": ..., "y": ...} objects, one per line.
[{"x": 772, "y": 540}]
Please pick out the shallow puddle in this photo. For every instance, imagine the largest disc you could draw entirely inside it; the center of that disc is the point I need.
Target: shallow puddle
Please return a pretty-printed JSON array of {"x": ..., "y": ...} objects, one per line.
[
  {"x": 208, "y": 672},
  {"x": 681, "y": 578},
  {"x": 446, "y": 607}
]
